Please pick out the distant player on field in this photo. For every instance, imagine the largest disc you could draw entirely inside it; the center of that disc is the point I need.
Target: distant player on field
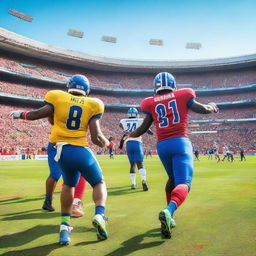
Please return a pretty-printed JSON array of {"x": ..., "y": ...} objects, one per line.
[
  {"x": 73, "y": 114},
  {"x": 148, "y": 153},
  {"x": 111, "y": 147},
  {"x": 134, "y": 147},
  {"x": 196, "y": 152},
  {"x": 168, "y": 109},
  {"x": 242, "y": 157}
]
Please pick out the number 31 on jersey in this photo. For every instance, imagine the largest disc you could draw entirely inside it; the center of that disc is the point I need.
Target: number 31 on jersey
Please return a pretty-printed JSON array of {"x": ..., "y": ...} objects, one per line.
[{"x": 161, "y": 112}]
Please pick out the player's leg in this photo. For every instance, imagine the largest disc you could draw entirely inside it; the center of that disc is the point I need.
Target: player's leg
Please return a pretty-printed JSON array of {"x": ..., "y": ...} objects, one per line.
[
  {"x": 69, "y": 163},
  {"x": 78, "y": 197},
  {"x": 91, "y": 171},
  {"x": 168, "y": 189},
  {"x": 70, "y": 179},
  {"x": 182, "y": 173},
  {"x": 177, "y": 157},
  {"x": 51, "y": 181},
  {"x": 133, "y": 175},
  {"x": 131, "y": 154},
  {"x": 138, "y": 158},
  {"x": 143, "y": 175},
  {"x": 165, "y": 217}
]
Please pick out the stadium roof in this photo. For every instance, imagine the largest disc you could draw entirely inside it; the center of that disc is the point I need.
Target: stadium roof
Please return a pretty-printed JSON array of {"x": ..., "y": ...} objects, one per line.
[{"x": 19, "y": 44}]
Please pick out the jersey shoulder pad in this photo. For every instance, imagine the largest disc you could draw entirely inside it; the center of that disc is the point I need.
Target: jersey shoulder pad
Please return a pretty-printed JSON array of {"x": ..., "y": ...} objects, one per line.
[
  {"x": 189, "y": 92},
  {"x": 97, "y": 104},
  {"x": 52, "y": 95},
  {"x": 145, "y": 104}
]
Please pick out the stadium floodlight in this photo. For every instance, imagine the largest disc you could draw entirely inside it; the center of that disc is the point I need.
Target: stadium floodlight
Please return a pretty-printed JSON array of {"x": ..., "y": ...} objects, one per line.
[
  {"x": 108, "y": 39},
  {"x": 193, "y": 45},
  {"x": 20, "y": 15},
  {"x": 158, "y": 42},
  {"x": 75, "y": 33}
]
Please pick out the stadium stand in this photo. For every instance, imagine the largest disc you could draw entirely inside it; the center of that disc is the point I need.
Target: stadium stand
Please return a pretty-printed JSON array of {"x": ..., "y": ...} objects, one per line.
[{"x": 22, "y": 75}]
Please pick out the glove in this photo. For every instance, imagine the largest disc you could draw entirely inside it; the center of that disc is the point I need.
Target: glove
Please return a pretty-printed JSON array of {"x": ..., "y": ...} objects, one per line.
[
  {"x": 16, "y": 114},
  {"x": 214, "y": 106}
]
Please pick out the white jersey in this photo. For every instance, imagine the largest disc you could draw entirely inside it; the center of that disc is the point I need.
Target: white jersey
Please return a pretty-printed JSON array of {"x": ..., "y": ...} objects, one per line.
[{"x": 131, "y": 124}]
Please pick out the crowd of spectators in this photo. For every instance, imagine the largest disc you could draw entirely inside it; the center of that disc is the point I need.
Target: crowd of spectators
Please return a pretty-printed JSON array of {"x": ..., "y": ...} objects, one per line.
[
  {"x": 213, "y": 79},
  {"x": 20, "y": 135}
]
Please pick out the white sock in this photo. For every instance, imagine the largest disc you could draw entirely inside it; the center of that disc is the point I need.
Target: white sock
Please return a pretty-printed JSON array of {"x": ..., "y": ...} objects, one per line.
[
  {"x": 133, "y": 178},
  {"x": 76, "y": 201},
  {"x": 143, "y": 174}
]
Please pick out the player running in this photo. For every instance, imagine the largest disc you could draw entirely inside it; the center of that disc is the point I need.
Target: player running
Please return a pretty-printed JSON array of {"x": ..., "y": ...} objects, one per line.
[
  {"x": 52, "y": 179},
  {"x": 73, "y": 114},
  {"x": 134, "y": 147},
  {"x": 168, "y": 109}
]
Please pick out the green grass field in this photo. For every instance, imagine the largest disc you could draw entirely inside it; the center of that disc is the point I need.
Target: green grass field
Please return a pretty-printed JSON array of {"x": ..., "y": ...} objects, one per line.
[{"x": 218, "y": 217}]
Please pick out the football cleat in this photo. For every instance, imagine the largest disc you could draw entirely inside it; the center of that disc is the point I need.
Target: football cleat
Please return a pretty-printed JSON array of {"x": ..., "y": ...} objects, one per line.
[
  {"x": 144, "y": 186},
  {"x": 133, "y": 186},
  {"x": 48, "y": 205},
  {"x": 64, "y": 234},
  {"x": 76, "y": 210},
  {"x": 132, "y": 112},
  {"x": 164, "y": 81},
  {"x": 99, "y": 221},
  {"x": 167, "y": 223},
  {"x": 79, "y": 84}
]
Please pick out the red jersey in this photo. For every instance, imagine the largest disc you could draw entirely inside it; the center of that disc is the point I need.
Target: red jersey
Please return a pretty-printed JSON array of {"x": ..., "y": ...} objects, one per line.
[
  {"x": 111, "y": 145},
  {"x": 170, "y": 112}
]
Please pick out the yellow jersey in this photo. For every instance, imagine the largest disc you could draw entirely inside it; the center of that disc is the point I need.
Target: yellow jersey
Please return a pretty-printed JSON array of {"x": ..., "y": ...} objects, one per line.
[{"x": 72, "y": 115}]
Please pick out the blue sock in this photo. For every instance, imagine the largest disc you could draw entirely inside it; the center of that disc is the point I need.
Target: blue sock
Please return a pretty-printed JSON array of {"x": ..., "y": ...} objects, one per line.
[
  {"x": 171, "y": 207},
  {"x": 48, "y": 197},
  {"x": 100, "y": 209}
]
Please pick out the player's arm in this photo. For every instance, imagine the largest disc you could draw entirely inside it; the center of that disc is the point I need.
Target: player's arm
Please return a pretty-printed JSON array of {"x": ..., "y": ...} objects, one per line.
[
  {"x": 148, "y": 120},
  {"x": 51, "y": 120},
  {"x": 204, "y": 108},
  {"x": 97, "y": 136},
  {"x": 42, "y": 112}
]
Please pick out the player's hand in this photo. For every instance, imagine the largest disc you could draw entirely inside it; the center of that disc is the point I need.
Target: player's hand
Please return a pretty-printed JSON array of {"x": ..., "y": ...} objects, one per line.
[
  {"x": 124, "y": 137},
  {"x": 16, "y": 114},
  {"x": 214, "y": 107}
]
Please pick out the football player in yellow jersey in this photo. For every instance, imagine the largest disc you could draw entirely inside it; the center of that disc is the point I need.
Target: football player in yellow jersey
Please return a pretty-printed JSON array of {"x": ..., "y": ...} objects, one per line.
[{"x": 74, "y": 112}]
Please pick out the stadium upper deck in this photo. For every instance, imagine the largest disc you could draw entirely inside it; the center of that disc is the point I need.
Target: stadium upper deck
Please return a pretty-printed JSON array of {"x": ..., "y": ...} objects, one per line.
[{"x": 16, "y": 43}]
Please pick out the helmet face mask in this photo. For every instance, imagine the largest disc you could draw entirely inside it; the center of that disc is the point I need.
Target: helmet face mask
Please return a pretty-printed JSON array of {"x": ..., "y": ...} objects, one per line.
[
  {"x": 164, "y": 81},
  {"x": 78, "y": 84},
  {"x": 132, "y": 112}
]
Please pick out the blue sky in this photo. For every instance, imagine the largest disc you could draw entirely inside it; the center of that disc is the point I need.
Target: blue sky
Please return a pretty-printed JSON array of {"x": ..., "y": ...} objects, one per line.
[{"x": 224, "y": 28}]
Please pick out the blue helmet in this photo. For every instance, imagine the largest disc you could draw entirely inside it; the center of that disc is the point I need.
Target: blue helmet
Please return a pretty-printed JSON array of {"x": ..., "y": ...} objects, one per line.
[
  {"x": 164, "y": 81},
  {"x": 132, "y": 112},
  {"x": 79, "y": 83}
]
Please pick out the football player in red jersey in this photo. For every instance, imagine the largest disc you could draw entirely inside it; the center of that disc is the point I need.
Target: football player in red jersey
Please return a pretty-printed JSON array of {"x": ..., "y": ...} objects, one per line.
[
  {"x": 168, "y": 110},
  {"x": 111, "y": 147}
]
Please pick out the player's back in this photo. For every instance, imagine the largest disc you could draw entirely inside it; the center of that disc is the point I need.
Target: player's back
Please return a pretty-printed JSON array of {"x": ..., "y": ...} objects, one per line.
[
  {"x": 71, "y": 116},
  {"x": 131, "y": 124},
  {"x": 169, "y": 112}
]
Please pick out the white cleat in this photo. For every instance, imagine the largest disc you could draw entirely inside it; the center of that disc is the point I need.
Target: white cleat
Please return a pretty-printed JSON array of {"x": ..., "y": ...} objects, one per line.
[{"x": 99, "y": 221}]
